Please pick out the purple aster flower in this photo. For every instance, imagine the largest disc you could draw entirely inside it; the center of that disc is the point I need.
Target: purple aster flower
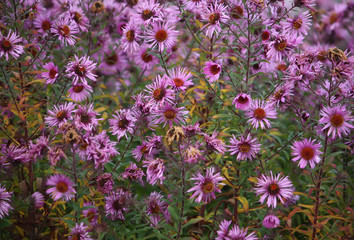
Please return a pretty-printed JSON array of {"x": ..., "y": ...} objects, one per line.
[
  {"x": 271, "y": 221},
  {"x": 80, "y": 69},
  {"x": 223, "y": 230},
  {"x": 147, "y": 12},
  {"x": 78, "y": 16},
  {"x": 237, "y": 10},
  {"x": 169, "y": 114},
  {"x": 80, "y": 92},
  {"x": 237, "y": 233},
  {"x": 144, "y": 59},
  {"x": 60, "y": 114},
  {"x": 206, "y": 186},
  {"x": 38, "y": 200},
  {"x": 105, "y": 183},
  {"x": 242, "y": 101},
  {"x": 180, "y": 78},
  {"x": 142, "y": 151},
  {"x": 85, "y": 117},
  {"x": 336, "y": 120},
  {"x": 155, "y": 170},
  {"x": 155, "y": 207},
  {"x": 132, "y": 172},
  {"x": 9, "y": 46},
  {"x": 298, "y": 24},
  {"x": 259, "y": 112},
  {"x": 306, "y": 151},
  {"x": 154, "y": 144},
  {"x": 162, "y": 35},
  {"x": 43, "y": 23},
  {"x": 273, "y": 188},
  {"x": 91, "y": 213},
  {"x": 123, "y": 122},
  {"x": 64, "y": 28},
  {"x": 282, "y": 93},
  {"x": 52, "y": 74},
  {"x": 191, "y": 130},
  {"x": 192, "y": 153},
  {"x": 80, "y": 231},
  {"x": 5, "y": 201},
  {"x": 12, "y": 154},
  {"x": 244, "y": 148},
  {"x": 282, "y": 45},
  {"x": 62, "y": 187},
  {"x": 131, "y": 38},
  {"x": 213, "y": 143},
  {"x": 159, "y": 93},
  {"x": 55, "y": 154},
  {"x": 215, "y": 14},
  {"x": 117, "y": 203},
  {"x": 212, "y": 71}
]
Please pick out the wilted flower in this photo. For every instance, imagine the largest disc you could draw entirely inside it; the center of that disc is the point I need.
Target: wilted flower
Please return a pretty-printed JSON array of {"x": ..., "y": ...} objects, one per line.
[
  {"x": 155, "y": 207},
  {"x": 80, "y": 231},
  {"x": 271, "y": 221},
  {"x": 117, "y": 203},
  {"x": 155, "y": 170},
  {"x": 38, "y": 199}
]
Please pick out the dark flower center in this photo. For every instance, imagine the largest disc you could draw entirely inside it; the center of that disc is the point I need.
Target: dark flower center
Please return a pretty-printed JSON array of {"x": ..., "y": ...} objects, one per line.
[
  {"x": 91, "y": 215},
  {"x": 111, "y": 59},
  {"x": 147, "y": 14},
  {"x": 259, "y": 113},
  {"x": 130, "y": 35},
  {"x": 123, "y": 123},
  {"x": 155, "y": 208},
  {"x": 144, "y": 150},
  {"x": 207, "y": 187},
  {"x": 170, "y": 114},
  {"x": 178, "y": 82},
  {"x": 297, "y": 24},
  {"x": 62, "y": 187},
  {"x": 80, "y": 71},
  {"x": 6, "y": 45},
  {"x": 337, "y": 120},
  {"x": 78, "y": 88},
  {"x": 280, "y": 46},
  {"x": 265, "y": 35},
  {"x": 146, "y": 57},
  {"x": 244, "y": 147},
  {"x": 242, "y": 100},
  {"x": 214, "y": 17},
  {"x": 273, "y": 189},
  {"x": 85, "y": 118},
  {"x": 161, "y": 35},
  {"x": 76, "y": 236},
  {"x": 307, "y": 153},
  {"x": 279, "y": 94},
  {"x": 132, "y": 3},
  {"x": 237, "y": 12},
  {"x": 118, "y": 204},
  {"x": 215, "y": 69},
  {"x": 52, "y": 73},
  {"x": 64, "y": 30},
  {"x": 282, "y": 67},
  {"x": 158, "y": 94},
  {"x": 61, "y": 115},
  {"x": 77, "y": 17},
  {"x": 46, "y": 25}
]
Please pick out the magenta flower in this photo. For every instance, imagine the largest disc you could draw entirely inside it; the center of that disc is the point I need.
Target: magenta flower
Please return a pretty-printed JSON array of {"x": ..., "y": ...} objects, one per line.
[
  {"x": 43, "y": 23},
  {"x": 122, "y": 123},
  {"x": 158, "y": 93},
  {"x": 155, "y": 207},
  {"x": 52, "y": 74},
  {"x": 180, "y": 78},
  {"x": 155, "y": 170},
  {"x": 132, "y": 172},
  {"x": 80, "y": 231},
  {"x": 147, "y": 12},
  {"x": 5, "y": 206},
  {"x": 271, "y": 221},
  {"x": 80, "y": 92},
  {"x": 336, "y": 120},
  {"x": 142, "y": 151},
  {"x": 161, "y": 35},
  {"x": 9, "y": 46},
  {"x": 282, "y": 93},
  {"x": 298, "y": 24},
  {"x": 206, "y": 186},
  {"x": 105, "y": 183},
  {"x": 259, "y": 112},
  {"x": 60, "y": 114},
  {"x": 144, "y": 59},
  {"x": 244, "y": 148},
  {"x": 85, "y": 117},
  {"x": 306, "y": 151},
  {"x": 215, "y": 14},
  {"x": 212, "y": 71},
  {"x": 169, "y": 114},
  {"x": 282, "y": 45},
  {"x": 38, "y": 200},
  {"x": 117, "y": 203},
  {"x": 80, "y": 69},
  {"x": 64, "y": 28},
  {"x": 62, "y": 187},
  {"x": 91, "y": 213},
  {"x": 273, "y": 188},
  {"x": 212, "y": 143},
  {"x": 223, "y": 230},
  {"x": 78, "y": 16},
  {"x": 242, "y": 101},
  {"x": 131, "y": 38},
  {"x": 237, "y": 233}
]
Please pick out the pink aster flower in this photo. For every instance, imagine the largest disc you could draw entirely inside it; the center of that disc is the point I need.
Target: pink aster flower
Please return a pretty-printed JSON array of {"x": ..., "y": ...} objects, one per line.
[
  {"x": 91, "y": 213},
  {"x": 9, "y": 46},
  {"x": 212, "y": 71},
  {"x": 206, "y": 186},
  {"x": 271, "y": 221},
  {"x": 85, "y": 117},
  {"x": 142, "y": 151},
  {"x": 162, "y": 35},
  {"x": 80, "y": 69},
  {"x": 244, "y": 148},
  {"x": 223, "y": 230},
  {"x": 52, "y": 74},
  {"x": 237, "y": 10},
  {"x": 5, "y": 200},
  {"x": 242, "y": 101},
  {"x": 212, "y": 143},
  {"x": 122, "y": 123},
  {"x": 298, "y": 24},
  {"x": 158, "y": 92},
  {"x": 155, "y": 170},
  {"x": 117, "y": 203},
  {"x": 62, "y": 187},
  {"x": 80, "y": 231},
  {"x": 336, "y": 120},
  {"x": 144, "y": 59},
  {"x": 60, "y": 114},
  {"x": 180, "y": 78},
  {"x": 306, "y": 151},
  {"x": 147, "y": 12},
  {"x": 43, "y": 23},
  {"x": 282, "y": 93},
  {"x": 132, "y": 172},
  {"x": 80, "y": 92},
  {"x": 105, "y": 183},
  {"x": 273, "y": 188},
  {"x": 131, "y": 38},
  {"x": 282, "y": 46},
  {"x": 169, "y": 114},
  {"x": 78, "y": 16},
  {"x": 215, "y": 14},
  {"x": 237, "y": 233},
  {"x": 64, "y": 28},
  {"x": 259, "y": 112},
  {"x": 155, "y": 207},
  {"x": 38, "y": 200}
]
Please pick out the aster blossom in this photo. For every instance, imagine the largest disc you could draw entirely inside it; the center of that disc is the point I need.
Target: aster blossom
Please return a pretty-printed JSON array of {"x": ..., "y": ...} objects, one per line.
[
  {"x": 80, "y": 92},
  {"x": 259, "y": 112},
  {"x": 117, "y": 203},
  {"x": 282, "y": 46},
  {"x": 212, "y": 71},
  {"x": 180, "y": 78},
  {"x": 169, "y": 114},
  {"x": 298, "y": 24},
  {"x": 131, "y": 38},
  {"x": 64, "y": 28},
  {"x": 161, "y": 35},
  {"x": 206, "y": 186},
  {"x": 336, "y": 120},
  {"x": 38, "y": 200},
  {"x": 155, "y": 207},
  {"x": 80, "y": 231},
  {"x": 237, "y": 233},
  {"x": 244, "y": 148},
  {"x": 5, "y": 206},
  {"x": 52, "y": 74},
  {"x": 60, "y": 114},
  {"x": 155, "y": 170},
  {"x": 274, "y": 188},
  {"x": 271, "y": 221},
  {"x": 242, "y": 101},
  {"x": 9, "y": 45},
  {"x": 215, "y": 14},
  {"x": 213, "y": 143},
  {"x": 306, "y": 152},
  {"x": 158, "y": 92},
  {"x": 62, "y": 187},
  {"x": 81, "y": 69},
  {"x": 147, "y": 12},
  {"x": 90, "y": 213},
  {"x": 122, "y": 123},
  {"x": 85, "y": 117}
]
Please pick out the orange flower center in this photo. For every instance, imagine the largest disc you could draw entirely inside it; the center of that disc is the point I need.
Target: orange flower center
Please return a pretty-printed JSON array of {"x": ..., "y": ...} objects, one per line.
[
  {"x": 215, "y": 69},
  {"x": 279, "y": 94},
  {"x": 280, "y": 46},
  {"x": 123, "y": 123},
  {"x": 273, "y": 189},
  {"x": 259, "y": 113},
  {"x": 170, "y": 114},
  {"x": 337, "y": 120},
  {"x": 80, "y": 71},
  {"x": 178, "y": 82},
  {"x": 244, "y": 147},
  {"x": 147, "y": 14},
  {"x": 61, "y": 115},
  {"x": 161, "y": 35},
  {"x": 242, "y": 100},
  {"x": 333, "y": 18},
  {"x": 130, "y": 35},
  {"x": 5, "y": 44},
  {"x": 77, "y": 17},
  {"x": 85, "y": 118},
  {"x": 52, "y": 73},
  {"x": 144, "y": 150},
  {"x": 158, "y": 94},
  {"x": 208, "y": 187},
  {"x": 46, "y": 25},
  {"x": 155, "y": 209},
  {"x": 91, "y": 215},
  {"x": 76, "y": 236},
  {"x": 265, "y": 35},
  {"x": 78, "y": 88},
  {"x": 214, "y": 17},
  {"x": 307, "y": 153},
  {"x": 62, "y": 187},
  {"x": 111, "y": 59},
  {"x": 64, "y": 30},
  {"x": 297, "y": 24},
  {"x": 237, "y": 12},
  {"x": 146, "y": 57}
]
